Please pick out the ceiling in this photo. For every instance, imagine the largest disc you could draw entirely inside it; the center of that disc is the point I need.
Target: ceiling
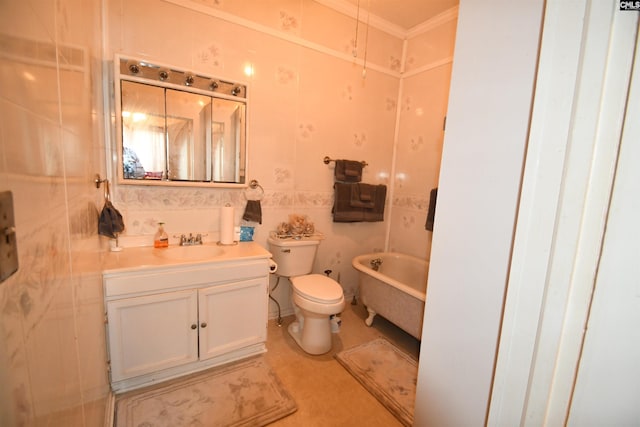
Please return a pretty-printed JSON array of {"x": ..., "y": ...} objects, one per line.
[{"x": 404, "y": 13}]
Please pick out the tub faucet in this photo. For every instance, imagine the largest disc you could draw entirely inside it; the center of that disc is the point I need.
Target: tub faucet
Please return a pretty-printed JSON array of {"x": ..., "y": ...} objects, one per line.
[{"x": 375, "y": 263}]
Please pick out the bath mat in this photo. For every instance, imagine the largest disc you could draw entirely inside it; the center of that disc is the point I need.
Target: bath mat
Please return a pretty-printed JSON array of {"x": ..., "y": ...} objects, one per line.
[
  {"x": 387, "y": 373},
  {"x": 246, "y": 393}
]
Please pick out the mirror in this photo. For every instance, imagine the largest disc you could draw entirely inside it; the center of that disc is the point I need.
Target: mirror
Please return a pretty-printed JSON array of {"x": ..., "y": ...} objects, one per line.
[{"x": 178, "y": 128}]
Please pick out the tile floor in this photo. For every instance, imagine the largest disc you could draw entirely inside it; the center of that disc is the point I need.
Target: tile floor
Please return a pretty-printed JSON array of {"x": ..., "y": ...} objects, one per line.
[{"x": 326, "y": 394}]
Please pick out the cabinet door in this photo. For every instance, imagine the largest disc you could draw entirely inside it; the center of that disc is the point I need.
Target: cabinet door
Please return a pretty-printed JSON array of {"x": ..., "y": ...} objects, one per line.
[
  {"x": 151, "y": 333},
  {"x": 232, "y": 316}
]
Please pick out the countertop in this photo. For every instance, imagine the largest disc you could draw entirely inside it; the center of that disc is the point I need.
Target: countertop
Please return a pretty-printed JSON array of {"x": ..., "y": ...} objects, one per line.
[{"x": 141, "y": 258}]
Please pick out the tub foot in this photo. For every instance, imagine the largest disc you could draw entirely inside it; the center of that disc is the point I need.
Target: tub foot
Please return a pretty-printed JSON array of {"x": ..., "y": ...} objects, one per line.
[{"x": 369, "y": 320}]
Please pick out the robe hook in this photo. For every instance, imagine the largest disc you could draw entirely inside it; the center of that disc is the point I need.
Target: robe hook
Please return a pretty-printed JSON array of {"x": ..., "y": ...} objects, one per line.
[{"x": 99, "y": 180}]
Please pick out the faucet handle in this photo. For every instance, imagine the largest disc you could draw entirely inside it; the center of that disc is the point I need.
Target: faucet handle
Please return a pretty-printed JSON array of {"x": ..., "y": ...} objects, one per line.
[{"x": 182, "y": 238}]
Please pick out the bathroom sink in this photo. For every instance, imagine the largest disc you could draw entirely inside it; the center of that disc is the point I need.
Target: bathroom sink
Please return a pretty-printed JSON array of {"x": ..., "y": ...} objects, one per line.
[{"x": 190, "y": 253}]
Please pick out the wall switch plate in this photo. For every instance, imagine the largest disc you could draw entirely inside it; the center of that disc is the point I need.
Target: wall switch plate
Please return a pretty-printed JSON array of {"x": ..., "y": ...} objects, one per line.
[{"x": 8, "y": 244}]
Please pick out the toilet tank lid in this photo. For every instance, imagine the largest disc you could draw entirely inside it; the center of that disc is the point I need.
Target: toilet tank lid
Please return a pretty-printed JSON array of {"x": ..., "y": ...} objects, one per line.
[
  {"x": 306, "y": 241},
  {"x": 317, "y": 287}
]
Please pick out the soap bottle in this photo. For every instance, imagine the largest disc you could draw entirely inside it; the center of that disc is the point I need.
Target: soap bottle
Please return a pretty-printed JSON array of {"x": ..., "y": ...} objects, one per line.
[{"x": 161, "y": 239}]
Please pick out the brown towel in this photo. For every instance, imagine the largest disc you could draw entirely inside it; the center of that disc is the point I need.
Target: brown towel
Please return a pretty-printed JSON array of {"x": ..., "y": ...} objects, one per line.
[
  {"x": 377, "y": 212},
  {"x": 110, "y": 222},
  {"x": 253, "y": 211},
  {"x": 343, "y": 211},
  {"x": 431, "y": 214},
  {"x": 348, "y": 171},
  {"x": 362, "y": 196}
]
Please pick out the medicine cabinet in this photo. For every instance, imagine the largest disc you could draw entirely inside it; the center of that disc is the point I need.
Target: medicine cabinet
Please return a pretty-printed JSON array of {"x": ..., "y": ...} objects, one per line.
[{"x": 175, "y": 127}]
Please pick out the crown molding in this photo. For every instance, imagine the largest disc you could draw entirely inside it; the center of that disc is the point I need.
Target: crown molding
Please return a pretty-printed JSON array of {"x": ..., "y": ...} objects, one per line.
[
  {"x": 446, "y": 16},
  {"x": 375, "y": 21},
  {"x": 381, "y": 24}
]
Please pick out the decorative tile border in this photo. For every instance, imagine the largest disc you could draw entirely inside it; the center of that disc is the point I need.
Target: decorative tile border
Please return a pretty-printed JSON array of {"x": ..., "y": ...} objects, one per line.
[
  {"x": 413, "y": 202},
  {"x": 156, "y": 198},
  {"x": 185, "y": 198}
]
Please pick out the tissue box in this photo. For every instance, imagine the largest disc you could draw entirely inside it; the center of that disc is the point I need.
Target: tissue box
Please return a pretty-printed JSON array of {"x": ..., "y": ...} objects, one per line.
[{"x": 246, "y": 234}]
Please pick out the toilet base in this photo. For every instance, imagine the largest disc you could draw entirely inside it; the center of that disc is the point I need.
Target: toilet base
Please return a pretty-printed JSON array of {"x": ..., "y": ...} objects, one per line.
[{"x": 315, "y": 337}]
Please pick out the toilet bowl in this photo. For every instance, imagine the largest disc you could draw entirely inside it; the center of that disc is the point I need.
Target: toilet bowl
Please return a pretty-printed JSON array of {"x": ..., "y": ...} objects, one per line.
[{"x": 315, "y": 299}]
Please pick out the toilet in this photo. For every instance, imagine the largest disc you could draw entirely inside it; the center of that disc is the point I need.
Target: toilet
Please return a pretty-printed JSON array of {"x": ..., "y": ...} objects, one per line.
[{"x": 316, "y": 298}]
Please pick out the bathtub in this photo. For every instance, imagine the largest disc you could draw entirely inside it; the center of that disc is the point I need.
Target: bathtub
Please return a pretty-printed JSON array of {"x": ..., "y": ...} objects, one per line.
[{"x": 396, "y": 291}]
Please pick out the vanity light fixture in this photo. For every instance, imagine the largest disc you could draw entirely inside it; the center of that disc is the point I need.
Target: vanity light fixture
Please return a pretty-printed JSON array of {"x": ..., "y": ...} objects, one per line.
[{"x": 156, "y": 73}]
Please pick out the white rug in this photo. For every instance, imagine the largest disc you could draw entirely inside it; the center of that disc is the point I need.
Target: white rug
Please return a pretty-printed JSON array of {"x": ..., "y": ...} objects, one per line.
[
  {"x": 246, "y": 393},
  {"x": 387, "y": 373}
]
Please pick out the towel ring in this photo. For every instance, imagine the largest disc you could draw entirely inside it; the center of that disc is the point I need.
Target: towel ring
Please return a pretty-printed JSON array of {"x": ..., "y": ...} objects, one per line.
[{"x": 254, "y": 185}]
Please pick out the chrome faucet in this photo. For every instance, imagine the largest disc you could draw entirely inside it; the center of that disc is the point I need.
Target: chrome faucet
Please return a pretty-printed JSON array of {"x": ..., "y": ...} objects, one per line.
[
  {"x": 191, "y": 240},
  {"x": 375, "y": 263}
]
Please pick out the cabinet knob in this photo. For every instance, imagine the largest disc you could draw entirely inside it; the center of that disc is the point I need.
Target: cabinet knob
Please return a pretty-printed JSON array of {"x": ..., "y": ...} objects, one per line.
[
  {"x": 194, "y": 326},
  {"x": 203, "y": 324}
]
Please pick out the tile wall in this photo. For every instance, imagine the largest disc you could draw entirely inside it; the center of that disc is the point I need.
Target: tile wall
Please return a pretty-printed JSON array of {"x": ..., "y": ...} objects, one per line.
[
  {"x": 308, "y": 100},
  {"x": 52, "y": 351},
  {"x": 423, "y": 107}
]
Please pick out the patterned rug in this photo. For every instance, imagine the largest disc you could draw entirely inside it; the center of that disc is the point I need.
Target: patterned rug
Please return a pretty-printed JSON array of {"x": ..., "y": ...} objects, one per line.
[
  {"x": 247, "y": 393},
  {"x": 387, "y": 373}
]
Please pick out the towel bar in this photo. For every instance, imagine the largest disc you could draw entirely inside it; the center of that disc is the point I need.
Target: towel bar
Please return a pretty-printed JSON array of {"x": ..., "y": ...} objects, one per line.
[{"x": 328, "y": 160}]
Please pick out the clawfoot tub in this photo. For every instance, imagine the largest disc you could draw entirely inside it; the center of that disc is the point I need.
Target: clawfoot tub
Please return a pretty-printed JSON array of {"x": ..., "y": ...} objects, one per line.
[{"x": 394, "y": 286}]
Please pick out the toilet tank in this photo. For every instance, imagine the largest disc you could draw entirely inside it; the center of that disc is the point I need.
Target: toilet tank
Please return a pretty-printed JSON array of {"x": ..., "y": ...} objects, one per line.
[{"x": 294, "y": 257}]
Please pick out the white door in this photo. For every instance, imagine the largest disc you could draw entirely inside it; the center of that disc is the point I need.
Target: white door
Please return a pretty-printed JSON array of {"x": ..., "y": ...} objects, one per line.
[
  {"x": 150, "y": 333},
  {"x": 232, "y": 316},
  {"x": 571, "y": 233}
]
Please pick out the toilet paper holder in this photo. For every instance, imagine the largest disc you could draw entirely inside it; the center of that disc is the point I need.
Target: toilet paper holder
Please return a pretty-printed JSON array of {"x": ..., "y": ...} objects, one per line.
[{"x": 273, "y": 267}]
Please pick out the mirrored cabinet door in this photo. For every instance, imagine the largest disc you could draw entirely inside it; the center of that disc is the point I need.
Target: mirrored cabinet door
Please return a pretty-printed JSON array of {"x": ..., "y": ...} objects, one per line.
[
  {"x": 143, "y": 131},
  {"x": 188, "y": 136},
  {"x": 228, "y": 133}
]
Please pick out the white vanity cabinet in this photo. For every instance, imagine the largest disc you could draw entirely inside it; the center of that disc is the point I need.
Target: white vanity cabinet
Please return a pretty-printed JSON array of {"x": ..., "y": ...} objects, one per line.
[{"x": 170, "y": 320}]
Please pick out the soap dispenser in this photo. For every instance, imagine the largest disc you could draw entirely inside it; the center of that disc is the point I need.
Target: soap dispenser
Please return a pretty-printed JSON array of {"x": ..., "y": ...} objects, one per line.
[{"x": 161, "y": 239}]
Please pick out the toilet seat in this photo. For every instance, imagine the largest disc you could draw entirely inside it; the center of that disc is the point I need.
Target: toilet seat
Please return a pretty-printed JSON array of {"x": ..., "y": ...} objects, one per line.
[{"x": 317, "y": 288}]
